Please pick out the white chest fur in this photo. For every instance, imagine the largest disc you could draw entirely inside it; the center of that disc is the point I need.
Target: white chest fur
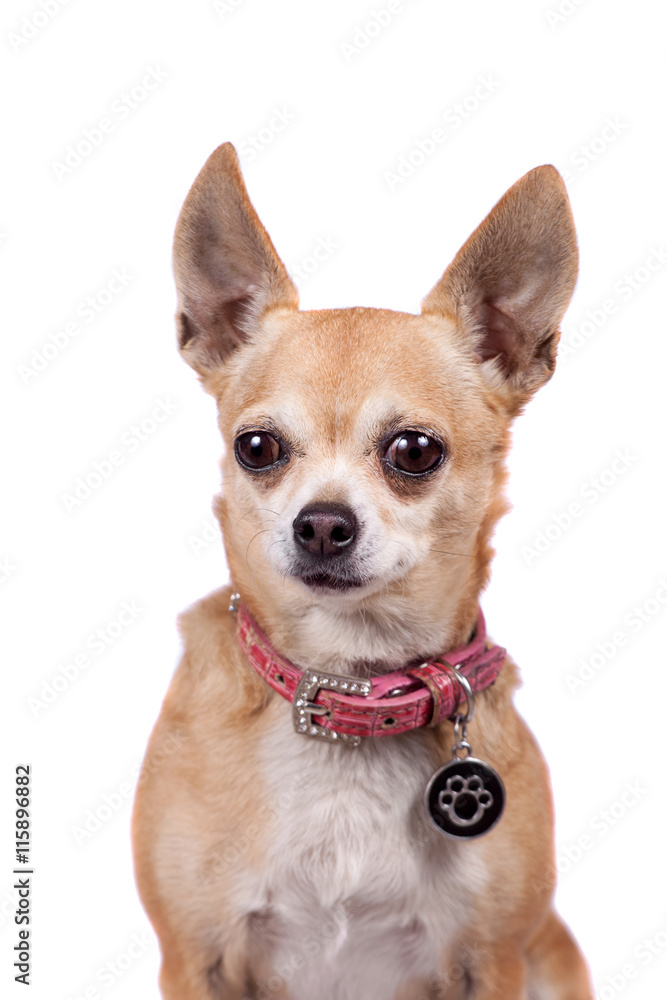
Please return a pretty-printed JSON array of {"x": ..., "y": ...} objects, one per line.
[{"x": 360, "y": 893}]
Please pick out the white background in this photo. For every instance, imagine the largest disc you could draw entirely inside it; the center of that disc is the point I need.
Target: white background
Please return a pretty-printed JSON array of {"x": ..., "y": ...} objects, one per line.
[{"x": 555, "y": 82}]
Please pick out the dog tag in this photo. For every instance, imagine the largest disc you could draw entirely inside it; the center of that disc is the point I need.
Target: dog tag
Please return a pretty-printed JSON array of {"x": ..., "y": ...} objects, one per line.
[{"x": 465, "y": 798}]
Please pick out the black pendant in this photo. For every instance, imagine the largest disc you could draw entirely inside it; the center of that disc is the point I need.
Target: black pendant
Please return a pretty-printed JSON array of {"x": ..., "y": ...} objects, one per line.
[{"x": 465, "y": 798}]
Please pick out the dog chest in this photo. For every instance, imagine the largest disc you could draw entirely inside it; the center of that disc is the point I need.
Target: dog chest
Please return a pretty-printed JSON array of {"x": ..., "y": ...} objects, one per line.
[{"x": 356, "y": 882}]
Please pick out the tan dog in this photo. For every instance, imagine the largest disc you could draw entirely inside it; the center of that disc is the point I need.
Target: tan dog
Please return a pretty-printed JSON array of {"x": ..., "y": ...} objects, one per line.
[{"x": 363, "y": 476}]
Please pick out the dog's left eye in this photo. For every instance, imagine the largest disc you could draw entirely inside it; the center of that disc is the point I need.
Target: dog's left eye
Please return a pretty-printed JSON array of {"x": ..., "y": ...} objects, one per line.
[
  {"x": 257, "y": 450},
  {"x": 414, "y": 453}
]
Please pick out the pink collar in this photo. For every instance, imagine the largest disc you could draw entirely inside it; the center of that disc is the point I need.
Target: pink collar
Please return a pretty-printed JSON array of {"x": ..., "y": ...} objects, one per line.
[{"x": 347, "y": 708}]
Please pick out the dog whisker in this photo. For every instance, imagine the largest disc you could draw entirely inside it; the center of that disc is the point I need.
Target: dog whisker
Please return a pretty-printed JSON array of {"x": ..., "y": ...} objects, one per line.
[
  {"x": 257, "y": 533},
  {"x": 447, "y": 552},
  {"x": 254, "y": 510}
]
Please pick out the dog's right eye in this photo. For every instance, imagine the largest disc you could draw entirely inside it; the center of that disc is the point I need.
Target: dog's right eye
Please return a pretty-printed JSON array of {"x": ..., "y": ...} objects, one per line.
[{"x": 257, "y": 450}]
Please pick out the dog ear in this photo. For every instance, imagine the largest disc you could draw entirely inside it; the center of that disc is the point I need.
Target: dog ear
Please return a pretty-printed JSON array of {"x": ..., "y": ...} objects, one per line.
[
  {"x": 509, "y": 286},
  {"x": 227, "y": 271}
]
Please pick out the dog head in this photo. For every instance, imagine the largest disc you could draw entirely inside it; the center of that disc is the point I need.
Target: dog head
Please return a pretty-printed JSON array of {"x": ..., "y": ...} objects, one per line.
[{"x": 363, "y": 466}]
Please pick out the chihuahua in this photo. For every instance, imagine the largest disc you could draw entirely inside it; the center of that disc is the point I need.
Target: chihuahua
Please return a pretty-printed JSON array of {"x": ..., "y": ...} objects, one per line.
[{"x": 329, "y": 821}]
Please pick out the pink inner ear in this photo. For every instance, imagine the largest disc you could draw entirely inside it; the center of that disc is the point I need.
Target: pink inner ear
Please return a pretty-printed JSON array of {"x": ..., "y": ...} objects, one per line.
[{"x": 499, "y": 335}]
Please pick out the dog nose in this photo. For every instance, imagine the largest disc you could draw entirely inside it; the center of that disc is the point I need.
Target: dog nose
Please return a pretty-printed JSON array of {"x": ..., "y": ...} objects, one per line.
[{"x": 325, "y": 529}]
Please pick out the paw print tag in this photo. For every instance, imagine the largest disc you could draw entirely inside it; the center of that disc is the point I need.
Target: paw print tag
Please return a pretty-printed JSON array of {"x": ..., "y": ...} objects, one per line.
[{"x": 465, "y": 798}]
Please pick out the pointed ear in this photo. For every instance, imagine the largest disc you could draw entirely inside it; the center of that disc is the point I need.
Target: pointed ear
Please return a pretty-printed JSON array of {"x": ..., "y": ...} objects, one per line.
[
  {"x": 227, "y": 271},
  {"x": 509, "y": 286}
]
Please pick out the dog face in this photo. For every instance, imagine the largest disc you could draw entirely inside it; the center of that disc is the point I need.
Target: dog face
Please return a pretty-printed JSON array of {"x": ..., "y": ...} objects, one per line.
[
  {"x": 364, "y": 448},
  {"x": 367, "y": 443}
]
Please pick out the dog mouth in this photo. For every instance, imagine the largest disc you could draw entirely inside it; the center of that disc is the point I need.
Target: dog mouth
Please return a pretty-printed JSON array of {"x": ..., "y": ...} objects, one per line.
[{"x": 330, "y": 581}]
